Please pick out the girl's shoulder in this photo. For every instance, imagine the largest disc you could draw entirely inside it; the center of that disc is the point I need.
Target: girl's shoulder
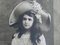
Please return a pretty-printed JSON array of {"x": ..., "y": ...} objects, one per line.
[
  {"x": 15, "y": 35},
  {"x": 43, "y": 41},
  {"x": 42, "y": 36},
  {"x": 15, "y": 39}
]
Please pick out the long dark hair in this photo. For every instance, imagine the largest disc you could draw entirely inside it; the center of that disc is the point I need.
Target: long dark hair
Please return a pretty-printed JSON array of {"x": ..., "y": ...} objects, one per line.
[{"x": 34, "y": 30}]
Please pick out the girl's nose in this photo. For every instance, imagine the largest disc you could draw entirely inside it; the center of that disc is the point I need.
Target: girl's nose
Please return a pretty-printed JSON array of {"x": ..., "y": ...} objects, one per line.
[{"x": 26, "y": 21}]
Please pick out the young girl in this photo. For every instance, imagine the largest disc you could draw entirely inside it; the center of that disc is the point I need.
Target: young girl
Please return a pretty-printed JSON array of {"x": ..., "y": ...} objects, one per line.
[
  {"x": 28, "y": 33},
  {"x": 24, "y": 17}
]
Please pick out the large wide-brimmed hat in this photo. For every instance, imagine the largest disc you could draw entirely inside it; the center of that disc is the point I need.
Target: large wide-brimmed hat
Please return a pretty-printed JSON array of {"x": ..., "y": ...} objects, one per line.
[
  {"x": 18, "y": 10},
  {"x": 26, "y": 6}
]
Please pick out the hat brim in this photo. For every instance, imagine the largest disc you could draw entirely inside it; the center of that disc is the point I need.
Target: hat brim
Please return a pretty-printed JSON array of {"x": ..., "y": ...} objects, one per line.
[
  {"x": 25, "y": 6},
  {"x": 18, "y": 10}
]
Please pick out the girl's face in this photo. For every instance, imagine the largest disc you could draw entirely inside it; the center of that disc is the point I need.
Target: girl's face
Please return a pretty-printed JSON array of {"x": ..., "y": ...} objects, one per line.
[{"x": 27, "y": 21}]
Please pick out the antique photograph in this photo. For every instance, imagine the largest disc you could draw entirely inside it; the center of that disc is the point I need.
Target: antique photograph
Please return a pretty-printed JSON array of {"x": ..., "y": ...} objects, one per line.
[{"x": 27, "y": 22}]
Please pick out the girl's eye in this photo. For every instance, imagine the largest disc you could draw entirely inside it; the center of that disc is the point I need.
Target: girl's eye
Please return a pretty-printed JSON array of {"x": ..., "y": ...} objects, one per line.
[
  {"x": 24, "y": 19},
  {"x": 29, "y": 19}
]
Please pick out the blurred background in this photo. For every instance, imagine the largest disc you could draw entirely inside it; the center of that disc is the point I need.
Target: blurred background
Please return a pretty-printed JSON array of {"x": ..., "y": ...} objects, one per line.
[{"x": 51, "y": 6}]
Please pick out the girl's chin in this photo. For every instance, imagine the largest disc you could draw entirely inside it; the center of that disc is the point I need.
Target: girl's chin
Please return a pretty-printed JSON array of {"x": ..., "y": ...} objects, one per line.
[{"x": 27, "y": 27}]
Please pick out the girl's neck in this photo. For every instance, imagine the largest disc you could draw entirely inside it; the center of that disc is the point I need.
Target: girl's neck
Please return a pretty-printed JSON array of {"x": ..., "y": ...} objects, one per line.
[{"x": 27, "y": 32}]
